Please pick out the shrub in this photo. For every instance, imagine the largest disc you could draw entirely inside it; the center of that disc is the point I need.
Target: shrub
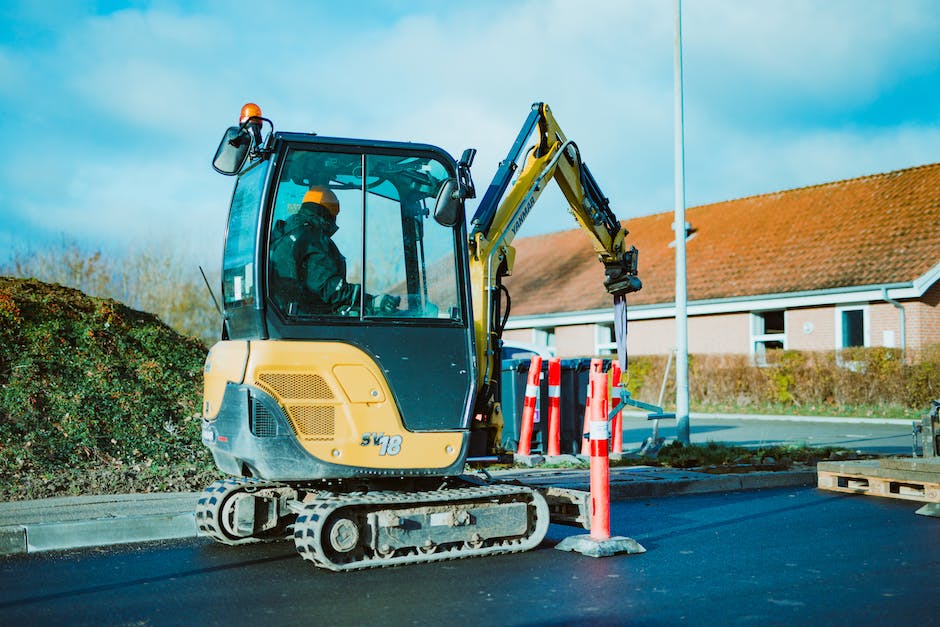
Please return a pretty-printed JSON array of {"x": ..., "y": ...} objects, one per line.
[
  {"x": 855, "y": 381},
  {"x": 88, "y": 381}
]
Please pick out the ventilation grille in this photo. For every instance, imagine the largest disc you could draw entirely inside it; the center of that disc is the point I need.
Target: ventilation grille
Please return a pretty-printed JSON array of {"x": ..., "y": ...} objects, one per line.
[
  {"x": 262, "y": 421},
  {"x": 296, "y": 386},
  {"x": 317, "y": 422},
  {"x": 307, "y": 399}
]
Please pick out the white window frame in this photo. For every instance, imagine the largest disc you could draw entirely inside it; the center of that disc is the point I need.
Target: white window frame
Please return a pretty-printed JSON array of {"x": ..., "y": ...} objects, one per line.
[
  {"x": 605, "y": 339},
  {"x": 760, "y": 338},
  {"x": 544, "y": 336},
  {"x": 866, "y": 324}
]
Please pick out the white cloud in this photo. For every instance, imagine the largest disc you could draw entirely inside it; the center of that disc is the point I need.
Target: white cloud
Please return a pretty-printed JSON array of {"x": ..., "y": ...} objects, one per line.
[
  {"x": 752, "y": 164},
  {"x": 121, "y": 112},
  {"x": 785, "y": 54},
  {"x": 151, "y": 70}
]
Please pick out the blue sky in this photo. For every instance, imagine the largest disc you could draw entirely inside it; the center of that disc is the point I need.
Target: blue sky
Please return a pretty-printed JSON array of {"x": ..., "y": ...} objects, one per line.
[{"x": 113, "y": 110}]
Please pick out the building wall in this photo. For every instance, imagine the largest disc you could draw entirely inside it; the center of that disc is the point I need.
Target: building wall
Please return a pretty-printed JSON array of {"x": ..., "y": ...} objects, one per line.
[
  {"x": 721, "y": 333},
  {"x": 575, "y": 340},
  {"x": 885, "y": 325},
  {"x": 923, "y": 319},
  {"x": 807, "y": 329},
  {"x": 518, "y": 335},
  {"x": 651, "y": 337},
  {"x": 727, "y": 333},
  {"x": 810, "y": 328}
]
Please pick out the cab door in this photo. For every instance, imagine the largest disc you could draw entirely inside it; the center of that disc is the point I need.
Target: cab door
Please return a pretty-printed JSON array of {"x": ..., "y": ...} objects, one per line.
[{"x": 410, "y": 314}]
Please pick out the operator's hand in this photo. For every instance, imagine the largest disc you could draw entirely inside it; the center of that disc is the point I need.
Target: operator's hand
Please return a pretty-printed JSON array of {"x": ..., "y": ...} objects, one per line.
[{"x": 386, "y": 304}]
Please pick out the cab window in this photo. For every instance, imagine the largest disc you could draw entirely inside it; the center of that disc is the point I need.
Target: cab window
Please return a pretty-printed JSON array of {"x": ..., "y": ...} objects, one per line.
[
  {"x": 410, "y": 257},
  {"x": 351, "y": 235},
  {"x": 238, "y": 284}
]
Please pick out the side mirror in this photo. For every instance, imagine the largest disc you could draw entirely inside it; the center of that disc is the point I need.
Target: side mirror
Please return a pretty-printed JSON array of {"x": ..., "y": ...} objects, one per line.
[
  {"x": 467, "y": 189},
  {"x": 232, "y": 151},
  {"x": 447, "y": 208}
]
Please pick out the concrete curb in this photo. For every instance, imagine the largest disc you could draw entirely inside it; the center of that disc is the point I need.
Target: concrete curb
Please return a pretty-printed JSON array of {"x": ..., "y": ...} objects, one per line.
[
  {"x": 715, "y": 483},
  {"x": 74, "y": 534},
  {"x": 88, "y": 530},
  {"x": 652, "y": 482}
]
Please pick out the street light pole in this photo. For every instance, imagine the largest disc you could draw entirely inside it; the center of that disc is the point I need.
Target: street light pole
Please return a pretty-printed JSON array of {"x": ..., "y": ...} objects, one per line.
[{"x": 682, "y": 322}]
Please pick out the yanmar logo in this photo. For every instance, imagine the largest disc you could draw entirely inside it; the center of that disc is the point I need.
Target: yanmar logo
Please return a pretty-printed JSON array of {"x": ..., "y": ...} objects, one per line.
[{"x": 526, "y": 208}]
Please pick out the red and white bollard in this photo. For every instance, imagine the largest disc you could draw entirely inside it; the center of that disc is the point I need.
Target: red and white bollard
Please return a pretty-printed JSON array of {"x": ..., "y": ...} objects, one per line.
[
  {"x": 617, "y": 423},
  {"x": 599, "y": 543},
  {"x": 528, "y": 409},
  {"x": 554, "y": 406},
  {"x": 600, "y": 465}
]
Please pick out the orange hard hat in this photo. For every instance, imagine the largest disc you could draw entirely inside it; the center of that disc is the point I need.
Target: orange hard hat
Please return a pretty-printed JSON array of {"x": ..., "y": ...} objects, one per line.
[
  {"x": 324, "y": 197},
  {"x": 250, "y": 110}
]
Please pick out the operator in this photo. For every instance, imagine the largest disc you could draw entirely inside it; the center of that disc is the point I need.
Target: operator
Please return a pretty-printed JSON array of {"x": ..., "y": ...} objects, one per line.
[{"x": 306, "y": 257}]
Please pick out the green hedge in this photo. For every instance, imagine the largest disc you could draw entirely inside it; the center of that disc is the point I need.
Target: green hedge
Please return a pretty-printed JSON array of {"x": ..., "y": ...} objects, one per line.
[{"x": 857, "y": 381}]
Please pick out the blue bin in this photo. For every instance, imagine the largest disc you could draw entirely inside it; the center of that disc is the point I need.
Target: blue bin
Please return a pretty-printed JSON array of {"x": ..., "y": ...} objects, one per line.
[{"x": 575, "y": 376}]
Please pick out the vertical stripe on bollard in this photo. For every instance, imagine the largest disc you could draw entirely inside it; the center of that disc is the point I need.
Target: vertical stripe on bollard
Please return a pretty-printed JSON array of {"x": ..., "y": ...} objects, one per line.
[
  {"x": 528, "y": 409},
  {"x": 554, "y": 406},
  {"x": 617, "y": 423}
]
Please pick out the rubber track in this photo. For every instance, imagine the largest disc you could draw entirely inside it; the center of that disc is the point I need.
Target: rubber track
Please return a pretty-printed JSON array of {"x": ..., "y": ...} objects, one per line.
[
  {"x": 212, "y": 502},
  {"x": 309, "y": 526}
]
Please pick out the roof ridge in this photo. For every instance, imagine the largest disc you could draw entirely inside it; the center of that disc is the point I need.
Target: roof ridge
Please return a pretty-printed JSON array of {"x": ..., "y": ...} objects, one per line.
[{"x": 819, "y": 185}]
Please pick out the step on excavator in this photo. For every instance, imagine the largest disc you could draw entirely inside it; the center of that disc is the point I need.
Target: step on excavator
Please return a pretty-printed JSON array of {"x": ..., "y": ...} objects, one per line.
[{"x": 359, "y": 363}]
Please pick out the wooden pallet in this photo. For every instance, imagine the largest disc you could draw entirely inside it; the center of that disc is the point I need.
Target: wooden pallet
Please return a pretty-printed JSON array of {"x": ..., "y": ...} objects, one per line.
[{"x": 896, "y": 479}]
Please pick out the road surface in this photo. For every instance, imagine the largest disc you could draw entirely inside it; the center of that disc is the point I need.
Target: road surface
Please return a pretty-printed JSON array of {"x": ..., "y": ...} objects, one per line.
[{"x": 782, "y": 556}]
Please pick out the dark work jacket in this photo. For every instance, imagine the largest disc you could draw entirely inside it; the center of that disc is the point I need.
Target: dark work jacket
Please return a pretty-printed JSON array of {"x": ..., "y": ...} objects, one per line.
[{"x": 308, "y": 267}]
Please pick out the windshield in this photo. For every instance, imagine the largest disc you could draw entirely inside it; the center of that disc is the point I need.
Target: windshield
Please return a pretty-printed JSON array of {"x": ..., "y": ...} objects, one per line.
[{"x": 352, "y": 235}]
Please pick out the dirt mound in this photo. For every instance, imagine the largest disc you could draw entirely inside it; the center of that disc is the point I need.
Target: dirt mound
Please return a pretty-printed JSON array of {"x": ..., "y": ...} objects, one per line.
[{"x": 90, "y": 388}]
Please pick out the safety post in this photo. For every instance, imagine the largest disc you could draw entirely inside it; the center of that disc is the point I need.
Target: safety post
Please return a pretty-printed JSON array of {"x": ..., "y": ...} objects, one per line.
[
  {"x": 528, "y": 409},
  {"x": 554, "y": 406},
  {"x": 597, "y": 365},
  {"x": 599, "y": 543},
  {"x": 616, "y": 425},
  {"x": 600, "y": 464}
]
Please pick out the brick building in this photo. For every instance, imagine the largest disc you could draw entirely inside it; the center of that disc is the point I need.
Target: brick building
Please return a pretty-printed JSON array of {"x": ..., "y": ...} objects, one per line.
[{"x": 849, "y": 263}]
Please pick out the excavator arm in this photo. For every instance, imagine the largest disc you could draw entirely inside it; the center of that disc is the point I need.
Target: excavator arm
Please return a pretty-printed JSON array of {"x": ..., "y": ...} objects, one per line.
[{"x": 502, "y": 211}]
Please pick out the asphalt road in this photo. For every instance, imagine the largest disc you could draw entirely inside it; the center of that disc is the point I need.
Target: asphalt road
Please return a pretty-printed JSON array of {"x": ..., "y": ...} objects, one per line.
[{"x": 782, "y": 556}]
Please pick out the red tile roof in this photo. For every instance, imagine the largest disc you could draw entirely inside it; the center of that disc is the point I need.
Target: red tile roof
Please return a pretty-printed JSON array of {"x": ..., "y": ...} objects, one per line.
[{"x": 872, "y": 230}]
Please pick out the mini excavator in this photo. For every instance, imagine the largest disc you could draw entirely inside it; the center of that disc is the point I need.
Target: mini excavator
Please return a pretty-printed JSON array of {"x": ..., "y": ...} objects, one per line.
[{"x": 348, "y": 427}]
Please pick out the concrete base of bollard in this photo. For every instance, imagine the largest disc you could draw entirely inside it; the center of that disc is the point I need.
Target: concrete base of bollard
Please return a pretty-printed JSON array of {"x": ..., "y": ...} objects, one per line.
[
  {"x": 586, "y": 545},
  {"x": 930, "y": 509},
  {"x": 529, "y": 461}
]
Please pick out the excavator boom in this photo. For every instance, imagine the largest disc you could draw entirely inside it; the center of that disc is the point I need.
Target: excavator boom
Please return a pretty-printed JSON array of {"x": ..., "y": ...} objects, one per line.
[{"x": 505, "y": 207}]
